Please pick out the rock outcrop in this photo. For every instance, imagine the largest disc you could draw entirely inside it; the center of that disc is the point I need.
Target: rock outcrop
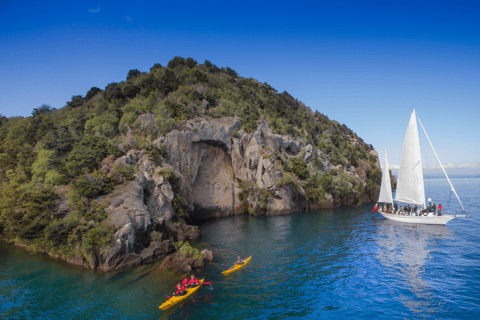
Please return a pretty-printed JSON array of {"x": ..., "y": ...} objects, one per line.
[
  {"x": 215, "y": 160},
  {"x": 213, "y": 169}
]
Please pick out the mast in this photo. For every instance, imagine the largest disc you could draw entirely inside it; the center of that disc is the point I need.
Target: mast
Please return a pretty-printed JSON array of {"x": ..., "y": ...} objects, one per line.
[
  {"x": 451, "y": 185},
  {"x": 410, "y": 186}
]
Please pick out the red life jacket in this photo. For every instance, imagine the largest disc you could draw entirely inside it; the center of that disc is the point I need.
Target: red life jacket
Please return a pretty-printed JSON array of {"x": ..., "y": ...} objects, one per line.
[
  {"x": 184, "y": 282},
  {"x": 193, "y": 281},
  {"x": 179, "y": 290}
]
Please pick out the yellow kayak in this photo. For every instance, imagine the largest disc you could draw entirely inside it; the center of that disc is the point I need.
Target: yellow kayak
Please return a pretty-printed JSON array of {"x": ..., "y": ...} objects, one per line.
[
  {"x": 237, "y": 266},
  {"x": 176, "y": 299}
]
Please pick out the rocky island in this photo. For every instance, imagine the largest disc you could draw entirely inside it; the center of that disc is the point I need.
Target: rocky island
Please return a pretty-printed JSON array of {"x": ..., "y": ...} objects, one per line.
[{"x": 120, "y": 177}]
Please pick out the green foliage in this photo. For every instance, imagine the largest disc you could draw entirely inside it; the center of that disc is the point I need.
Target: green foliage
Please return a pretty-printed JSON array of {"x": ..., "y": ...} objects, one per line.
[
  {"x": 90, "y": 185},
  {"x": 190, "y": 62},
  {"x": 175, "y": 62},
  {"x": 264, "y": 195},
  {"x": 126, "y": 172},
  {"x": 132, "y": 74},
  {"x": 99, "y": 236},
  {"x": 187, "y": 250},
  {"x": 92, "y": 93},
  {"x": 374, "y": 177},
  {"x": 43, "y": 109},
  {"x": 313, "y": 190},
  {"x": 88, "y": 152},
  {"x": 299, "y": 167},
  {"x": 102, "y": 125},
  {"x": 42, "y": 165},
  {"x": 288, "y": 179},
  {"x": 25, "y": 209}
]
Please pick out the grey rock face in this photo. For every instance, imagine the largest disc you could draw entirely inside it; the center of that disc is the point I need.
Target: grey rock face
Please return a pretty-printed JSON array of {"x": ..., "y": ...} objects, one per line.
[{"x": 222, "y": 171}]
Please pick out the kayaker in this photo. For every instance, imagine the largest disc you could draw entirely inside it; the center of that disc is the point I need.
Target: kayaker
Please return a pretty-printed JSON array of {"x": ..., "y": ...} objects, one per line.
[
  {"x": 185, "y": 282},
  {"x": 180, "y": 290},
  {"x": 239, "y": 261},
  {"x": 193, "y": 282}
]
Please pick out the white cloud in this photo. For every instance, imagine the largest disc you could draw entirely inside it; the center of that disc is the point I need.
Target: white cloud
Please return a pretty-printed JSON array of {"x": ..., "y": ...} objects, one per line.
[
  {"x": 128, "y": 18},
  {"x": 394, "y": 167},
  {"x": 94, "y": 10}
]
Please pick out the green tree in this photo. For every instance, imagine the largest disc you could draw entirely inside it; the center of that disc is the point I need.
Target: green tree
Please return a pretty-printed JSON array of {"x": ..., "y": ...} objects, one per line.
[
  {"x": 190, "y": 62},
  {"x": 92, "y": 93},
  {"x": 75, "y": 102},
  {"x": 175, "y": 62},
  {"x": 43, "y": 109},
  {"x": 132, "y": 74},
  {"x": 87, "y": 153}
]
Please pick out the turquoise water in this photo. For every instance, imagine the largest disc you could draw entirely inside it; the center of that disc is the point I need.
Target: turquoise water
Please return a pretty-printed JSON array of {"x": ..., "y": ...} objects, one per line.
[{"x": 339, "y": 264}]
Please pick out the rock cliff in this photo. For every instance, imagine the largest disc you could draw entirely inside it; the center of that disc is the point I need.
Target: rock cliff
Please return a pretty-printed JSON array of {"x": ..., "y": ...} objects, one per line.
[{"x": 218, "y": 170}]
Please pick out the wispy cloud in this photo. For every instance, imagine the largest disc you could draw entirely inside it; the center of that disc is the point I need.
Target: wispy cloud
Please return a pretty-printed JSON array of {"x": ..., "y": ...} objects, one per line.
[
  {"x": 94, "y": 10},
  {"x": 128, "y": 18}
]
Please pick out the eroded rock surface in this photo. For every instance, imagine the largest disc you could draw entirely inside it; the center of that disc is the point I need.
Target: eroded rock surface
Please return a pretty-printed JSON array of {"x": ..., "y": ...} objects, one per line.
[{"x": 213, "y": 169}]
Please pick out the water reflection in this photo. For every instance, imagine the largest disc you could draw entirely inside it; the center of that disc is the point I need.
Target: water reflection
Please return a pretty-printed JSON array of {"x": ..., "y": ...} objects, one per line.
[{"x": 404, "y": 251}]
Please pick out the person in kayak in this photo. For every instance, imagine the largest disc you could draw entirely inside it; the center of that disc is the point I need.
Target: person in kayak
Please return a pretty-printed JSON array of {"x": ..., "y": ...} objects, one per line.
[
  {"x": 239, "y": 261},
  {"x": 180, "y": 290},
  {"x": 185, "y": 282},
  {"x": 193, "y": 282}
]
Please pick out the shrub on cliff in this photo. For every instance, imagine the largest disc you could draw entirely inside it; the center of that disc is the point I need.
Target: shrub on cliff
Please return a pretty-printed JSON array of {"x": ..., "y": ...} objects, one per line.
[
  {"x": 88, "y": 152},
  {"x": 299, "y": 167},
  {"x": 187, "y": 250}
]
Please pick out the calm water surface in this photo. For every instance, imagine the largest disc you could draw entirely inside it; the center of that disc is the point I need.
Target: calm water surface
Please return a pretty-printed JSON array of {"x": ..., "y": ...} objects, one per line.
[{"x": 339, "y": 264}]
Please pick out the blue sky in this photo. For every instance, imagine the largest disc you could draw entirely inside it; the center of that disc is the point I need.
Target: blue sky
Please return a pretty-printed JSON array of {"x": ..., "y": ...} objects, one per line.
[{"x": 363, "y": 63}]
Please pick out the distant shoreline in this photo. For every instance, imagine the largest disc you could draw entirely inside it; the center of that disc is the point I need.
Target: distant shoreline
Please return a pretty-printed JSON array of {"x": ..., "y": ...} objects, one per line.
[{"x": 452, "y": 177}]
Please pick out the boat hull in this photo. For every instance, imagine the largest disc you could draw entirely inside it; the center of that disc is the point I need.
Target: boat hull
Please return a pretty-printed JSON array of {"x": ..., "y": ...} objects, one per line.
[
  {"x": 237, "y": 266},
  {"x": 176, "y": 299},
  {"x": 430, "y": 219}
]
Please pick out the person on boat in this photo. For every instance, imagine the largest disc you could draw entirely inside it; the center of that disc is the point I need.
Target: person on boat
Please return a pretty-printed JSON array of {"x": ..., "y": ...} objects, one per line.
[
  {"x": 239, "y": 261},
  {"x": 180, "y": 290},
  {"x": 193, "y": 282},
  {"x": 395, "y": 207},
  {"x": 375, "y": 208},
  {"x": 440, "y": 209},
  {"x": 434, "y": 207},
  {"x": 415, "y": 209},
  {"x": 400, "y": 211}
]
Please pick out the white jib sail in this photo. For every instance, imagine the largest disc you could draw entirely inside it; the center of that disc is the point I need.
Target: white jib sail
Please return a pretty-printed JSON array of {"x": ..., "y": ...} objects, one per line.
[
  {"x": 386, "y": 187},
  {"x": 410, "y": 187}
]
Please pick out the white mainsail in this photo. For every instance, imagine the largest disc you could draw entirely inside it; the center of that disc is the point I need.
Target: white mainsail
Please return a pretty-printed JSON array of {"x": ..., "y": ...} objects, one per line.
[
  {"x": 410, "y": 187},
  {"x": 386, "y": 188}
]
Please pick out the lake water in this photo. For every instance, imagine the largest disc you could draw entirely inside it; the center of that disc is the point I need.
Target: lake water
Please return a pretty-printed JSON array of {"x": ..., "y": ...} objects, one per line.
[{"x": 338, "y": 264}]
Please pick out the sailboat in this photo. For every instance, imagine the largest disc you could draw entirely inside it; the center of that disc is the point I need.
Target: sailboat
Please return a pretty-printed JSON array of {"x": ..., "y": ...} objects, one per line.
[{"x": 410, "y": 186}]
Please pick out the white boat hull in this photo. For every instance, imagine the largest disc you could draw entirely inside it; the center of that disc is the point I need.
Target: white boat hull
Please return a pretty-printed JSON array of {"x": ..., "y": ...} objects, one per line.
[{"x": 430, "y": 219}]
